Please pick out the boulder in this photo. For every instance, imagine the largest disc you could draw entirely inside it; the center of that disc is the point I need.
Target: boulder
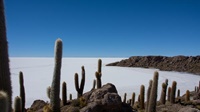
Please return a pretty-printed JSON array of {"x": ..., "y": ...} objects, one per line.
[{"x": 105, "y": 99}]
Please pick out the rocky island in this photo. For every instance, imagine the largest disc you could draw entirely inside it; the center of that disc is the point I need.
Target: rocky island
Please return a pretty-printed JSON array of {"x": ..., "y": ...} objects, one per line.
[{"x": 189, "y": 64}]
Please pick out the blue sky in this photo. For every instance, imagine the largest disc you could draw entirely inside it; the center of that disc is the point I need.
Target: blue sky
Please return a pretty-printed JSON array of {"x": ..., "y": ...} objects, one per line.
[{"x": 103, "y": 28}]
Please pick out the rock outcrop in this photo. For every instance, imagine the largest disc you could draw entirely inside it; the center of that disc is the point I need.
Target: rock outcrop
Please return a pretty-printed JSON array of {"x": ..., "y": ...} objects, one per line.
[
  {"x": 190, "y": 64},
  {"x": 105, "y": 99}
]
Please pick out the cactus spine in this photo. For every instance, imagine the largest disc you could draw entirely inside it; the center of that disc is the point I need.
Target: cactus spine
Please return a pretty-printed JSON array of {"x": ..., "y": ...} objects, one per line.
[
  {"x": 133, "y": 99},
  {"x": 153, "y": 95},
  {"x": 99, "y": 74},
  {"x": 5, "y": 80},
  {"x": 187, "y": 96},
  {"x": 18, "y": 104},
  {"x": 148, "y": 94},
  {"x": 163, "y": 93},
  {"x": 80, "y": 89},
  {"x": 173, "y": 92},
  {"x": 3, "y": 102},
  {"x": 124, "y": 97},
  {"x": 55, "y": 87},
  {"x": 64, "y": 93},
  {"x": 142, "y": 91},
  {"x": 22, "y": 90}
]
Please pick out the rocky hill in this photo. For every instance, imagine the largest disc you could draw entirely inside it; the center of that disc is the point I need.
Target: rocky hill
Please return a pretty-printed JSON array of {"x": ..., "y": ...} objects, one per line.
[{"x": 190, "y": 64}]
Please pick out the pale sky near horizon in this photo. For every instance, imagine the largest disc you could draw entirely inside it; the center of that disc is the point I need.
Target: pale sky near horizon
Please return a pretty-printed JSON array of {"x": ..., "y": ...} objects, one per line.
[{"x": 103, "y": 28}]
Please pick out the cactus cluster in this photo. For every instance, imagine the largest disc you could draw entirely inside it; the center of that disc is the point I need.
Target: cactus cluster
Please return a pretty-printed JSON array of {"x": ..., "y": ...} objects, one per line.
[{"x": 79, "y": 89}]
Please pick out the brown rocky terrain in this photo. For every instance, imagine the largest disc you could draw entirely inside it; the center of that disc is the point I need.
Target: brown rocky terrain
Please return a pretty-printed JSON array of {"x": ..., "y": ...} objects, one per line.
[{"x": 190, "y": 64}]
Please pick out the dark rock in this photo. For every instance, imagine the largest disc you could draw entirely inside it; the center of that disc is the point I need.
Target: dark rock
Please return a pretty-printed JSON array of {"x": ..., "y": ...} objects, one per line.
[
  {"x": 37, "y": 105},
  {"x": 104, "y": 99},
  {"x": 188, "y": 109},
  {"x": 190, "y": 64}
]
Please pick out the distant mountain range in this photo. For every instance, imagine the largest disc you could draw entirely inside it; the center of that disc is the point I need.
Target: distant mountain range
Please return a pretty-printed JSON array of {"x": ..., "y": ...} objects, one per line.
[{"x": 190, "y": 64}]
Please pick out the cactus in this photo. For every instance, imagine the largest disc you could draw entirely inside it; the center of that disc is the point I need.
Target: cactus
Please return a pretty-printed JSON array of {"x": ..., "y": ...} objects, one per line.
[
  {"x": 64, "y": 93},
  {"x": 70, "y": 96},
  {"x": 124, "y": 97},
  {"x": 3, "y": 102},
  {"x": 163, "y": 93},
  {"x": 94, "y": 85},
  {"x": 99, "y": 74},
  {"x": 55, "y": 87},
  {"x": 168, "y": 94},
  {"x": 195, "y": 88},
  {"x": 153, "y": 95},
  {"x": 49, "y": 92},
  {"x": 138, "y": 99},
  {"x": 199, "y": 87},
  {"x": 148, "y": 94},
  {"x": 80, "y": 89},
  {"x": 178, "y": 93},
  {"x": 5, "y": 79},
  {"x": 133, "y": 99},
  {"x": 18, "y": 104},
  {"x": 187, "y": 96},
  {"x": 99, "y": 65},
  {"x": 173, "y": 92},
  {"x": 142, "y": 91},
  {"x": 22, "y": 90}
]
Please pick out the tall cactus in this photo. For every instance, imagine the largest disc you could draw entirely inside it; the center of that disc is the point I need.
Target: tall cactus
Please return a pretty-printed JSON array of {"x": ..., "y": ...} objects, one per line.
[
  {"x": 173, "y": 92},
  {"x": 133, "y": 99},
  {"x": 153, "y": 96},
  {"x": 148, "y": 95},
  {"x": 18, "y": 104},
  {"x": 142, "y": 91},
  {"x": 55, "y": 87},
  {"x": 163, "y": 93},
  {"x": 3, "y": 102},
  {"x": 22, "y": 90},
  {"x": 64, "y": 93},
  {"x": 169, "y": 93},
  {"x": 99, "y": 74},
  {"x": 80, "y": 89},
  {"x": 5, "y": 80}
]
